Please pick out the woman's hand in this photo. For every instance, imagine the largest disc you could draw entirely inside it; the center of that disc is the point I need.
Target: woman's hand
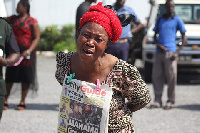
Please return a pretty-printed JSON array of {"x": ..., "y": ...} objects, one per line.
[
  {"x": 25, "y": 54},
  {"x": 10, "y": 60},
  {"x": 134, "y": 108}
]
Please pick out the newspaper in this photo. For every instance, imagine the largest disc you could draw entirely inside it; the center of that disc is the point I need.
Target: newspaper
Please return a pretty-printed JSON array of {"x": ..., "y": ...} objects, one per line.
[{"x": 83, "y": 108}]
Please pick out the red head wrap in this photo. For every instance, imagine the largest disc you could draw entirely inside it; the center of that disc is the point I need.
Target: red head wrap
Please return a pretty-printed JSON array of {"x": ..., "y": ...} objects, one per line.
[{"x": 106, "y": 18}]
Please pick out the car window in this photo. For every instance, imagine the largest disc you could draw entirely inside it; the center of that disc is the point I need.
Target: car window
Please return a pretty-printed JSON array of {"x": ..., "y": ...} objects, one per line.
[{"x": 189, "y": 13}]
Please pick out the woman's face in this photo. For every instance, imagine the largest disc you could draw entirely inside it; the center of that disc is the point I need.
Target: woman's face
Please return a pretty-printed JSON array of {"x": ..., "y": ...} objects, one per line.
[
  {"x": 92, "y": 42},
  {"x": 21, "y": 8}
]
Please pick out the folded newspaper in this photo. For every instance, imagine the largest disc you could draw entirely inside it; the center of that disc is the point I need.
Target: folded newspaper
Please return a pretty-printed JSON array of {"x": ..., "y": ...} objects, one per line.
[{"x": 83, "y": 108}]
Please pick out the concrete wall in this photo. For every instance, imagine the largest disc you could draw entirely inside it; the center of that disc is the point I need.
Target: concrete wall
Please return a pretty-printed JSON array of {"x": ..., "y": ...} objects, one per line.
[{"x": 60, "y": 12}]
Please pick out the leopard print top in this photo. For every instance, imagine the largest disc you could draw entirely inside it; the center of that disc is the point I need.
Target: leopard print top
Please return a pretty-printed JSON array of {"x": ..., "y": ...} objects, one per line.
[{"x": 126, "y": 82}]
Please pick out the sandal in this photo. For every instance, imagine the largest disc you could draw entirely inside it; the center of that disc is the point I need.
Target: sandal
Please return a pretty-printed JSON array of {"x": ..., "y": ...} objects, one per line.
[
  {"x": 21, "y": 107},
  {"x": 155, "y": 105},
  {"x": 5, "y": 106},
  {"x": 168, "y": 106}
]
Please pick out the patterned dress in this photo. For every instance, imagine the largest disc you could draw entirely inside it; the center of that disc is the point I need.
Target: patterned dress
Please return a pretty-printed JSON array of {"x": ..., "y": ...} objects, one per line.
[
  {"x": 126, "y": 82},
  {"x": 26, "y": 71}
]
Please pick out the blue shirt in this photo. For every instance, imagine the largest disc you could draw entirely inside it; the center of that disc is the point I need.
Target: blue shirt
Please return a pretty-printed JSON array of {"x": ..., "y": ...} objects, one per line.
[
  {"x": 126, "y": 31},
  {"x": 167, "y": 29}
]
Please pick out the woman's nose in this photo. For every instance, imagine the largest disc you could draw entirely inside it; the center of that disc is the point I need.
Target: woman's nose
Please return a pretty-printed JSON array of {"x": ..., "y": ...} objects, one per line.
[{"x": 91, "y": 42}]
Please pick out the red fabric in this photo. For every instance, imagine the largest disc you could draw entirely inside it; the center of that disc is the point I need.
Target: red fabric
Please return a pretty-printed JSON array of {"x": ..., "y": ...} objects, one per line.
[
  {"x": 106, "y": 18},
  {"x": 23, "y": 31}
]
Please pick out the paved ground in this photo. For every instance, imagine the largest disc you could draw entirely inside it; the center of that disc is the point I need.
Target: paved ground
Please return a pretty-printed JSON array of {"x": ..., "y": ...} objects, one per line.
[{"x": 42, "y": 111}]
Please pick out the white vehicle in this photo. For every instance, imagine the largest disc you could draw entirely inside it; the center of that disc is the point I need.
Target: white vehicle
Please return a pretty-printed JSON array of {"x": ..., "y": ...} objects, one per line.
[
  {"x": 3, "y": 12},
  {"x": 189, "y": 59}
]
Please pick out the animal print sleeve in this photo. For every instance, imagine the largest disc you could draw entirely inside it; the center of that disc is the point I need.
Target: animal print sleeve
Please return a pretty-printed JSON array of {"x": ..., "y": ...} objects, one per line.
[
  {"x": 134, "y": 88},
  {"x": 63, "y": 66}
]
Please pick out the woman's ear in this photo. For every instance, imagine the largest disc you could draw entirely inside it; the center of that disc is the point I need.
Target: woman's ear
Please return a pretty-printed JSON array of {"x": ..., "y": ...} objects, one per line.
[{"x": 108, "y": 43}]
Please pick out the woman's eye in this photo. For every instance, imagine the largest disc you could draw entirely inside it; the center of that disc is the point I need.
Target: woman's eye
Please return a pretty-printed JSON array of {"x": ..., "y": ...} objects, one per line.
[
  {"x": 98, "y": 40},
  {"x": 86, "y": 36}
]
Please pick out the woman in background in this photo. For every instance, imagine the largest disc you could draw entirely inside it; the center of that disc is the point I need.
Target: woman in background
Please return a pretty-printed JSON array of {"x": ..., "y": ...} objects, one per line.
[{"x": 27, "y": 34}]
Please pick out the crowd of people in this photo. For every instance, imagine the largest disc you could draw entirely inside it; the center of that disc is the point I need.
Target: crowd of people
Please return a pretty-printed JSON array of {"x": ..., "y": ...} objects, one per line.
[{"x": 103, "y": 35}]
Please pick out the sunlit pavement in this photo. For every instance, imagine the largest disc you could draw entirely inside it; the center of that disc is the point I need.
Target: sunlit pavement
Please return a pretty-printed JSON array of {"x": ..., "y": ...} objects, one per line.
[{"x": 41, "y": 113}]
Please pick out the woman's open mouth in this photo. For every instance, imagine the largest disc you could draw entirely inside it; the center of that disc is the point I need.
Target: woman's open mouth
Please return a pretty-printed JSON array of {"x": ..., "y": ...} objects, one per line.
[{"x": 88, "y": 52}]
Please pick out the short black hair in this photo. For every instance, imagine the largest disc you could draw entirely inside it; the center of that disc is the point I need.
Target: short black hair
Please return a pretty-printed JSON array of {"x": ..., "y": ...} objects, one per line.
[{"x": 167, "y": 1}]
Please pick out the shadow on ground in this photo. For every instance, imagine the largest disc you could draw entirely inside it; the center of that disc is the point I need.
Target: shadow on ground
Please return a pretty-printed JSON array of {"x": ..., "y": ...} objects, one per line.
[
  {"x": 192, "y": 107},
  {"x": 32, "y": 106},
  {"x": 182, "y": 79}
]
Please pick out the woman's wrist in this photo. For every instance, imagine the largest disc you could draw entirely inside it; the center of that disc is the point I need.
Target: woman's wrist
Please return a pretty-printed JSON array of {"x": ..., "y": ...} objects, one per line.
[
  {"x": 7, "y": 62},
  {"x": 28, "y": 52}
]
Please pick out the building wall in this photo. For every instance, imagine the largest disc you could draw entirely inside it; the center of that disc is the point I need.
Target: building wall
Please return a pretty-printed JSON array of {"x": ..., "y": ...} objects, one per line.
[
  {"x": 3, "y": 12},
  {"x": 60, "y": 12}
]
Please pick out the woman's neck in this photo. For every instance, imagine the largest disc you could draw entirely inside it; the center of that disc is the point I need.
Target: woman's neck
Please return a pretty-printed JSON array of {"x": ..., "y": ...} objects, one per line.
[
  {"x": 94, "y": 67},
  {"x": 23, "y": 15},
  {"x": 91, "y": 71},
  {"x": 82, "y": 66}
]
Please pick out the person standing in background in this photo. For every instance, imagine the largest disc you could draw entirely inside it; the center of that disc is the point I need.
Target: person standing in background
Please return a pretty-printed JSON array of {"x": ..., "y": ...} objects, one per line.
[
  {"x": 9, "y": 47},
  {"x": 82, "y": 9},
  {"x": 165, "y": 63},
  {"x": 120, "y": 48},
  {"x": 27, "y": 34}
]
